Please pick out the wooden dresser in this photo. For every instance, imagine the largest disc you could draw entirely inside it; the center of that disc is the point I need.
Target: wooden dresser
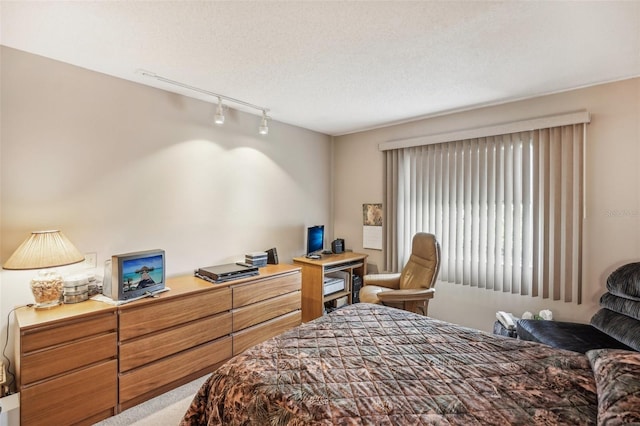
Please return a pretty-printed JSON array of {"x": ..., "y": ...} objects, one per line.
[
  {"x": 67, "y": 364},
  {"x": 103, "y": 359},
  {"x": 169, "y": 340},
  {"x": 265, "y": 307}
]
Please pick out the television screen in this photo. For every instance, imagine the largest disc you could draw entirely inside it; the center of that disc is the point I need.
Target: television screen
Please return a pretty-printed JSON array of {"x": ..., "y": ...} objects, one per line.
[
  {"x": 315, "y": 239},
  {"x": 142, "y": 272},
  {"x": 135, "y": 275}
]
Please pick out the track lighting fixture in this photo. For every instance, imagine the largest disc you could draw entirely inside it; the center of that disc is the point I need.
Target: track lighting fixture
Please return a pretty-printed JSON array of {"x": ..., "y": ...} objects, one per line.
[
  {"x": 219, "y": 115},
  {"x": 264, "y": 128}
]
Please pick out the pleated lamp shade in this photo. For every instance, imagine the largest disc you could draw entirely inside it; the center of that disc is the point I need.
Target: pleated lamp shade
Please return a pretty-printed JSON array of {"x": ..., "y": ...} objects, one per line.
[{"x": 44, "y": 249}]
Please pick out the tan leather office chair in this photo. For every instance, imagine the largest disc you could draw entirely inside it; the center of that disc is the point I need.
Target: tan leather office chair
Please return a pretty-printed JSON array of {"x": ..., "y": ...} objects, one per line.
[{"x": 412, "y": 288}]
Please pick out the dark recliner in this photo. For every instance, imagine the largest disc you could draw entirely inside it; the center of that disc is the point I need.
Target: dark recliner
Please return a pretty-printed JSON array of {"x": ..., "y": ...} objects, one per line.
[
  {"x": 567, "y": 335},
  {"x": 616, "y": 325}
]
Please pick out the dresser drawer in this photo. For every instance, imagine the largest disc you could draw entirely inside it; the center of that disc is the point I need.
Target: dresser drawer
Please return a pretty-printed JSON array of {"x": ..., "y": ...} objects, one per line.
[
  {"x": 158, "y": 315},
  {"x": 153, "y": 376},
  {"x": 71, "y": 398},
  {"x": 138, "y": 352},
  {"x": 61, "y": 359},
  {"x": 259, "y": 333},
  {"x": 55, "y": 334},
  {"x": 267, "y": 288},
  {"x": 263, "y": 311}
]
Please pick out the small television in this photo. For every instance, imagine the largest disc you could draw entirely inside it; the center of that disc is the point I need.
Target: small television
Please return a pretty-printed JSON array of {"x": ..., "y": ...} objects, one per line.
[
  {"x": 315, "y": 239},
  {"x": 134, "y": 275}
]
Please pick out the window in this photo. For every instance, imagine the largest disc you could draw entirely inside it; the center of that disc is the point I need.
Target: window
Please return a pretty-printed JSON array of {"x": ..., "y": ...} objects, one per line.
[{"x": 506, "y": 208}]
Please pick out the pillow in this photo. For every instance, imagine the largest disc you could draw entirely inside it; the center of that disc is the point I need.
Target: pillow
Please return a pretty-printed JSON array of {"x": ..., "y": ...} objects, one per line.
[
  {"x": 621, "y": 327},
  {"x": 625, "y": 281},
  {"x": 621, "y": 305},
  {"x": 617, "y": 375}
]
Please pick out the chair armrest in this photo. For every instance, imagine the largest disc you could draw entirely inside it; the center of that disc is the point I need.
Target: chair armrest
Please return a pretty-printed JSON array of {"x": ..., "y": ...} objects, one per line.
[
  {"x": 407, "y": 295},
  {"x": 391, "y": 281}
]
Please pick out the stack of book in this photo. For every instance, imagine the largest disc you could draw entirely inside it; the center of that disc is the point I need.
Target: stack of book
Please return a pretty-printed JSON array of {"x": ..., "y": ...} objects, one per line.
[{"x": 258, "y": 258}]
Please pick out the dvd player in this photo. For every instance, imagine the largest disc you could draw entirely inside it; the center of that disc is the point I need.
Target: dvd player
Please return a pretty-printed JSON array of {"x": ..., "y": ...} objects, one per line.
[{"x": 226, "y": 272}]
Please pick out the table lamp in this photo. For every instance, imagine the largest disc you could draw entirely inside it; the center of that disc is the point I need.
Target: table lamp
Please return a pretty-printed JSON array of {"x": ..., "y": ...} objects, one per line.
[{"x": 45, "y": 249}]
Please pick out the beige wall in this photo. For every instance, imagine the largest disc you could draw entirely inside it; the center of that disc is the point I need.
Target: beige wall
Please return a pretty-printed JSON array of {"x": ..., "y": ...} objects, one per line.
[
  {"x": 120, "y": 167},
  {"x": 612, "y": 224}
]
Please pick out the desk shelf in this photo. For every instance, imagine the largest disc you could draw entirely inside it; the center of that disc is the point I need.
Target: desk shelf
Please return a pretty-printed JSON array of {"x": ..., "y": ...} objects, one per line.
[
  {"x": 336, "y": 268},
  {"x": 337, "y": 295},
  {"x": 313, "y": 273}
]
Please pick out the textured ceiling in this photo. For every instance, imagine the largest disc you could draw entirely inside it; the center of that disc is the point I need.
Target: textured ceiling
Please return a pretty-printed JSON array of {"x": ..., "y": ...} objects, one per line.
[{"x": 341, "y": 66}]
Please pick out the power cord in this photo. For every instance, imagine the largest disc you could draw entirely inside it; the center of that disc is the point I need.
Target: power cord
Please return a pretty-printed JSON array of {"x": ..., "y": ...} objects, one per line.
[{"x": 10, "y": 383}]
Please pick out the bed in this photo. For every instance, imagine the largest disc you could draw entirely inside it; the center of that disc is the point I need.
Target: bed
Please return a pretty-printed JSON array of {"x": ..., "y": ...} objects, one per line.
[{"x": 373, "y": 365}]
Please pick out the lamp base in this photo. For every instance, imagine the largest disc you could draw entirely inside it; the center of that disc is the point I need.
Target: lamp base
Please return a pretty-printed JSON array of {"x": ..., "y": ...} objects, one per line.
[
  {"x": 47, "y": 305},
  {"x": 47, "y": 290}
]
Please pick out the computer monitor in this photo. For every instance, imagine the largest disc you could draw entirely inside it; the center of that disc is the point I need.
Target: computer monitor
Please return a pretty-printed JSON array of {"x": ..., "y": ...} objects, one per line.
[{"x": 315, "y": 239}]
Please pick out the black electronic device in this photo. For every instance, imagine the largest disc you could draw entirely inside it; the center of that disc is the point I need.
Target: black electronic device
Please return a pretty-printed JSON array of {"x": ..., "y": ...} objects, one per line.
[
  {"x": 356, "y": 285},
  {"x": 226, "y": 272},
  {"x": 272, "y": 256},
  {"x": 337, "y": 246}
]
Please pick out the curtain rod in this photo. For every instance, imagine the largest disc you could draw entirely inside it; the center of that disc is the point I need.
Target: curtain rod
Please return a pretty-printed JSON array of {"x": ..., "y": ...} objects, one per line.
[{"x": 499, "y": 129}]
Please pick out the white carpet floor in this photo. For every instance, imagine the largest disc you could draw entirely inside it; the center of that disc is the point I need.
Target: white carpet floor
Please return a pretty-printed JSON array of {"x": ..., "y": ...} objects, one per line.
[{"x": 164, "y": 410}]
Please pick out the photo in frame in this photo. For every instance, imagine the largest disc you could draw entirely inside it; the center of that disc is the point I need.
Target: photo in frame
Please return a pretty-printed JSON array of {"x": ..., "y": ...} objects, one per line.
[{"x": 372, "y": 219}]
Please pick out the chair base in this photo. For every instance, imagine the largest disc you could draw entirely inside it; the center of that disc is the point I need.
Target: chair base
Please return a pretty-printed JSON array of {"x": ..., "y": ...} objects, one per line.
[
  {"x": 369, "y": 294},
  {"x": 416, "y": 307}
]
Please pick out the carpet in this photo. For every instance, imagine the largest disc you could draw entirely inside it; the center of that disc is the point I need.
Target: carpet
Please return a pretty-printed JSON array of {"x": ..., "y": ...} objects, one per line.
[{"x": 166, "y": 409}]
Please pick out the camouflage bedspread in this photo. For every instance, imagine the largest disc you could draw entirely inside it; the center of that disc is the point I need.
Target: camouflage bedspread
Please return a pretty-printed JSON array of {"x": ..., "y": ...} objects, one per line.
[{"x": 368, "y": 364}]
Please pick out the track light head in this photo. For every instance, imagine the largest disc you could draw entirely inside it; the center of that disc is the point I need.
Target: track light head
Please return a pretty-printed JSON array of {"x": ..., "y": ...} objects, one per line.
[
  {"x": 264, "y": 128},
  {"x": 219, "y": 117}
]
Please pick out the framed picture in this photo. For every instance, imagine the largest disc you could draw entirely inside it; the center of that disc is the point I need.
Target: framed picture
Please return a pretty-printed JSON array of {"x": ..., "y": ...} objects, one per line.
[{"x": 372, "y": 226}]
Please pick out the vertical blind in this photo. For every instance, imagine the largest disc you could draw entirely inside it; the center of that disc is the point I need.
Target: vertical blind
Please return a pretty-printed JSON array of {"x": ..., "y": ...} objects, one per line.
[{"x": 507, "y": 209}]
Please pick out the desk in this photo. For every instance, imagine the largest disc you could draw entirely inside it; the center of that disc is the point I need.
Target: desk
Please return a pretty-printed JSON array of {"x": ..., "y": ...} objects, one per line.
[{"x": 313, "y": 272}]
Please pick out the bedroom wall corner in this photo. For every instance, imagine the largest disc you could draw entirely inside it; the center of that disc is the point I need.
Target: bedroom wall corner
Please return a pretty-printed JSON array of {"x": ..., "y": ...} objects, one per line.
[
  {"x": 120, "y": 167},
  {"x": 612, "y": 223}
]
